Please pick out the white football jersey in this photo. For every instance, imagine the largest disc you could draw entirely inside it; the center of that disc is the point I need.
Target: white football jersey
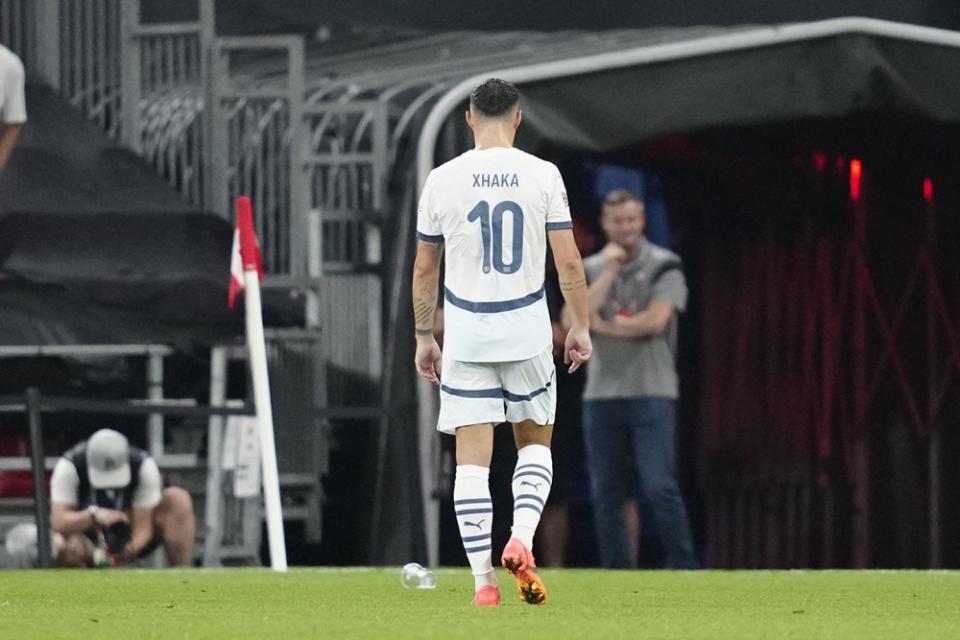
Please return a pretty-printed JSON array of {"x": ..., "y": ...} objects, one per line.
[{"x": 492, "y": 208}]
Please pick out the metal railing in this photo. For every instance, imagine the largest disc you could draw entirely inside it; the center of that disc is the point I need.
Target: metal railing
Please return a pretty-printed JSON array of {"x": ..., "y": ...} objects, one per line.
[
  {"x": 212, "y": 128},
  {"x": 16, "y": 17},
  {"x": 34, "y": 405},
  {"x": 90, "y": 53},
  {"x": 144, "y": 84},
  {"x": 199, "y": 109},
  {"x": 256, "y": 137},
  {"x": 164, "y": 87}
]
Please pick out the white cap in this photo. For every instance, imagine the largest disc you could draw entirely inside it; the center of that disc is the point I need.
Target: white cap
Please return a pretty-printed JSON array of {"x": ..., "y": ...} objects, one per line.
[{"x": 108, "y": 460}]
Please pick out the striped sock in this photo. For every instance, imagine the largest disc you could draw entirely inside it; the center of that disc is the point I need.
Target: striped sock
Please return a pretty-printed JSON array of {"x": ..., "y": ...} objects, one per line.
[
  {"x": 474, "y": 509},
  {"x": 531, "y": 486}
]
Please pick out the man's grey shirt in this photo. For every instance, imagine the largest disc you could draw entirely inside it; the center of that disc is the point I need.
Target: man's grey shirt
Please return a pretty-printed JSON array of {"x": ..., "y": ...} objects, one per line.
[{"x": 642, "y": 366}]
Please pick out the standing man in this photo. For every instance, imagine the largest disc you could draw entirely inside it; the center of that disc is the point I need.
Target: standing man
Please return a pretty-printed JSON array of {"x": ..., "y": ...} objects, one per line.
[
  {"x": 492, "y": 211},
  {"x": 13, "y": 103},
  {"x": 636, "y": 290},
  {"x": 103, "y": 484}
]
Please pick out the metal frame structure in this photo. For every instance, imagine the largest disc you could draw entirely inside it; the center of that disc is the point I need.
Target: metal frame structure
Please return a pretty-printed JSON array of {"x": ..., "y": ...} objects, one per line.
[
  {"x": 257, "y": 134},
  {"x": 143, "y": 84},
  {"x": 16, "y": 20},
  {"x": 34, "y": 405},
  {"x": 154, "y": 353},
  {"x": 232, "y": 527},
  {"x": 165, "y": 91}
]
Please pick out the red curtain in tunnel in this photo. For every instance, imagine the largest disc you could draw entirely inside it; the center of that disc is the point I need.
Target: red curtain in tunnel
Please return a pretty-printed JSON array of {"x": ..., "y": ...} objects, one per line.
[{"x": 804, "y": 338}]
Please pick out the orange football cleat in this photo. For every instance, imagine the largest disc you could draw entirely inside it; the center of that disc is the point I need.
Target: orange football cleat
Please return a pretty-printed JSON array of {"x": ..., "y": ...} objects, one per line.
[
  {"x": 519, "y": 562},
  {"x": 488, "y": 596}
]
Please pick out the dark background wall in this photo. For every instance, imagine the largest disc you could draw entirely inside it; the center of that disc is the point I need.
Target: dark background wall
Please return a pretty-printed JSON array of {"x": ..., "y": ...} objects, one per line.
[{"x": 242, "y": 16}]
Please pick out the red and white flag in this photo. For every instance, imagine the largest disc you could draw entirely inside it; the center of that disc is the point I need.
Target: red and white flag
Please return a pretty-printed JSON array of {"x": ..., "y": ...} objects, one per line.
[
  {"x": 236, "y": 269},
  {"x": 244, "y": 262},
  {"x": 245, "y": 254}
]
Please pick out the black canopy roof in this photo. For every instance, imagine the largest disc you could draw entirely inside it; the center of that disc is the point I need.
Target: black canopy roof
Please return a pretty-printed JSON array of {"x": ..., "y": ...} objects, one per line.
[{"x": 826, "y": 77}]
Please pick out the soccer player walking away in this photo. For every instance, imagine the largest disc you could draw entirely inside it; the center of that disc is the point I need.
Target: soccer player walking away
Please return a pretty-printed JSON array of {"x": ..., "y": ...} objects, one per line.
[{"x": 492, "y": 210}]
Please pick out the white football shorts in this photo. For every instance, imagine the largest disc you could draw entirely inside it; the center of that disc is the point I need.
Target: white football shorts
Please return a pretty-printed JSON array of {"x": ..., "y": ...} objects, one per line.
[{"x": 478, "y": 392}]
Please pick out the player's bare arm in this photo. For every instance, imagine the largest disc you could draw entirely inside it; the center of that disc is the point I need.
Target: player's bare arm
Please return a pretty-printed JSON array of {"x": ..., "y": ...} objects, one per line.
[
  {"x": 573, "y": 286},
  {"x": 426, "y": 281},
  {"x": 9, "y": 134},
  {"x": 650, "y": 322}
]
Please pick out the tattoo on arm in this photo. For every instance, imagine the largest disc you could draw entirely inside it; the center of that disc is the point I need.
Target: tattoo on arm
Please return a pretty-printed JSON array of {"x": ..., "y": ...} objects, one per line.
[
  {"x": 426, "y": 276},
  {"x": 424, "y": 311},
  {"x": 572, "y": 285}
]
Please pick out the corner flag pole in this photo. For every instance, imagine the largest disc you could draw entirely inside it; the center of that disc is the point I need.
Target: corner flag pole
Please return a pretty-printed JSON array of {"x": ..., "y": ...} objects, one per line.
[{"x": 256, "y": 346}]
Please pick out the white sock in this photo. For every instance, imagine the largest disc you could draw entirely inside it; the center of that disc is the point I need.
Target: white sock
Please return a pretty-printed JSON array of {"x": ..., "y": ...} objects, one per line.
[
  {"x": 474, "y": 509},
  {"x": 531, "y": 486}
]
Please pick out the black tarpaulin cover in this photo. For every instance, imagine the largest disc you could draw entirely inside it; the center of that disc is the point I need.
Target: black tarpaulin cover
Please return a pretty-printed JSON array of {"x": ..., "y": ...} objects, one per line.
[
  {"x": 95, "y": 249},
  {"x": 114, "y": 278},
  {"x": 826, "y": 77}
]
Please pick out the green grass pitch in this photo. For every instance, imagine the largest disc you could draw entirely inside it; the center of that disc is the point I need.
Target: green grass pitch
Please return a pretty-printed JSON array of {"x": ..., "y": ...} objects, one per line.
[{"x": 370, "y": 603}]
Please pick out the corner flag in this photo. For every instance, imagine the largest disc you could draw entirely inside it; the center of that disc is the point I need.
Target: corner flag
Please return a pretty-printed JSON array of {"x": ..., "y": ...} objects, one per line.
[
  {"x": 246, "y": 271},
  {"x": 243, "y": 236}
]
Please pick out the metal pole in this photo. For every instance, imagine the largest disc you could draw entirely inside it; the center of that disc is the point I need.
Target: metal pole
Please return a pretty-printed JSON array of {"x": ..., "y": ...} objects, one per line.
[
  {"x": 208, "y": 22},
  {"x": 40, "y": 500},
  {"x": 208, "y": 33},
  {"x": 131, "y": 79},
  {"x": 218, "y": 150},
  {"x": 314, "y": 267},
  {"x": 214, "y": 506},
  {"x": 155, "y": 394},
  {"x": 300, "y": 198},
  {"x": 47, "y": 40}
]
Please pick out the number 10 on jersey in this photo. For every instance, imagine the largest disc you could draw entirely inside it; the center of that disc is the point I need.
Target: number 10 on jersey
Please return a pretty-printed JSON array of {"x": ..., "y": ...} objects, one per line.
[{"x": 491, "y": 233}]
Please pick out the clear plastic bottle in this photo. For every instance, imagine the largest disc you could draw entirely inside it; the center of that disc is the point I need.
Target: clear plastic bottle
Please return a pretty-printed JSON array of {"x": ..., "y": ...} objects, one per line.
[{"x": 416, "y": 576}]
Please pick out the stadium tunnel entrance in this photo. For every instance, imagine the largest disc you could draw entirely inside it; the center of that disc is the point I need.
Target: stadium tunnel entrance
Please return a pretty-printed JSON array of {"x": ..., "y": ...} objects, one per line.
[
  {"x": 818, "y": 351},
  {"x": 820, "y": 354}
]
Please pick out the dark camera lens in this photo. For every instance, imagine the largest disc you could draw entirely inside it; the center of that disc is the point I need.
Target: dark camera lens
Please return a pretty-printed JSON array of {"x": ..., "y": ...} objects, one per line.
[{"x": 117, "y": 536}]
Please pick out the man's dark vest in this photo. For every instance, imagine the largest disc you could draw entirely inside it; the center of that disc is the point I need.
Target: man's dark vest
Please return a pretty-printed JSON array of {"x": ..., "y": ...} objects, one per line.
[{"x": 120, "y": 499}]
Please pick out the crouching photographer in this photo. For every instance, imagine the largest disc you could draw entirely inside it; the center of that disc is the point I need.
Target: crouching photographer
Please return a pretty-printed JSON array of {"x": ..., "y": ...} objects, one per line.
[{"x": 108, "y": 492}]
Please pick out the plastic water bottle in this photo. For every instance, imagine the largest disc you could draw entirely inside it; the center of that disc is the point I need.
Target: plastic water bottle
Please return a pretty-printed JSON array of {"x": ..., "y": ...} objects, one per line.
[
  {"x": 414, "y": 575},
  {"x": 100, "y": 557}
]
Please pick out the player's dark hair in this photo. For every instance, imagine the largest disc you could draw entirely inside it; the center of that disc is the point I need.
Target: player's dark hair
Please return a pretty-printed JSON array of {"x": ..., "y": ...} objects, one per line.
[
  {"x": 494, "y": 97},
  {"x": 621, "y": 196}
]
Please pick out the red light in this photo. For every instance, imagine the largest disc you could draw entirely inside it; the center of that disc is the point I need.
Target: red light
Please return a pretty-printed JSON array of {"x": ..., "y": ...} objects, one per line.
[
  {"x": 819, "y": 161},
  {"x": 856, "y": 171},
  {"x": 927, "y": 189}
]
